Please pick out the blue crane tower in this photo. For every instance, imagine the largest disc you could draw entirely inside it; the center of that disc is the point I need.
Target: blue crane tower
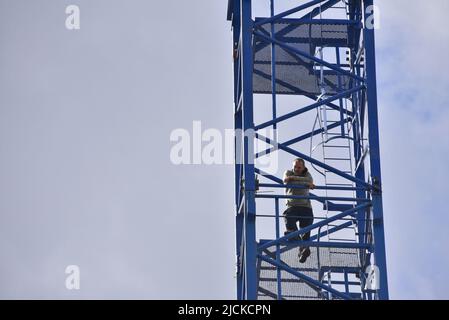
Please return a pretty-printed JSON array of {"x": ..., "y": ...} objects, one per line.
[{"x": 312, "y": 66}]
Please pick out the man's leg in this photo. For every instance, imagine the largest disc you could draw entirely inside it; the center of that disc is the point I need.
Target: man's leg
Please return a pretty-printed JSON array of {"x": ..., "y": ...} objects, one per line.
[
  {"x": 290, "y": 222},
  {"x": 305, "y": 220}
]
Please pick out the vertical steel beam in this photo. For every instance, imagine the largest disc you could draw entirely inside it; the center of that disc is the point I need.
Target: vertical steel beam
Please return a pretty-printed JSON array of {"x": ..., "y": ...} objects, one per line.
[
  {"x": 249, "y": 236},
  {"x": 245, "y": 184},
  {"x": 237, "y": 146},
  {"x": 373, "y": 137}
]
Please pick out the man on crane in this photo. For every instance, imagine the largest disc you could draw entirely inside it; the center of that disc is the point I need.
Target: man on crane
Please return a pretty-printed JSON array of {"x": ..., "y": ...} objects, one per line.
[{"x": 299, "y": 210}]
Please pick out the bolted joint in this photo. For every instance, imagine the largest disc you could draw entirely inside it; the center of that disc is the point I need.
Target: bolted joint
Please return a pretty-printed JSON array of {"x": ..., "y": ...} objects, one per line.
[
  {"x": 377, "y": 189},
  {"x": 235, "y": 51},
  {"x": 238, "y": 265}
]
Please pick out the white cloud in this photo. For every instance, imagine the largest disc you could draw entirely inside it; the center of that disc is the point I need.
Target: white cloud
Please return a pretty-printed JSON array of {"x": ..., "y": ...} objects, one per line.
[{"x": 414, "y": 121}]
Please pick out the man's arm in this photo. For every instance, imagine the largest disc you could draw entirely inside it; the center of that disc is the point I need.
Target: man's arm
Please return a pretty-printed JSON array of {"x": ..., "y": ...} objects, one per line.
[
  {"x": 307, "y": 180},
  {"x": 304, "y": 180},
  {"x": 288, "y": 175}
]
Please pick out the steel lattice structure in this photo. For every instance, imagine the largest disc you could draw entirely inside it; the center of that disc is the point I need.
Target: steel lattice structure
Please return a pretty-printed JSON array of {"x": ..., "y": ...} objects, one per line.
[{"x": 304, "y": 48}]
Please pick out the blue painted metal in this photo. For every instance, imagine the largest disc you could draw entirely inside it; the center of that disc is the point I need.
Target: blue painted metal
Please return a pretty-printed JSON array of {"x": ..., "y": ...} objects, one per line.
[
  {"x": 288, "y": 12},
  {"x": 278, "y": 251},
  {"x": 280, "y": 196},
  {"x": 318, "y": 22},
  {"x": 249, "y": 183},
  {"x": 337, "y": 54},
  {"x": 234, "y": 13},
  {"x": 306, "y": 55},
  {"x": 365, "y": 207},
  {"x": 274, "y": 112},
  {"x": 273, "y": 68},
  {"x": 301, "y": 138},
  {"x": 295, "y": 186},
  {"x": 332, "y": 230},
  {"x": 313, "y": 226},
  {"x": 307, "y": 158},
  {"x": 308, "y": 108},
  {"x": 323, "y": 7},
  {"x": 304, "y": 277},
  {"x": 373, "y": 135},
  {"x": 290, "y": 244}
]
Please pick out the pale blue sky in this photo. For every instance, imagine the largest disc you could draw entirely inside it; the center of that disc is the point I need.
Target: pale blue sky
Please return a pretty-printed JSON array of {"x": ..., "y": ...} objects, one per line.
[{"x": 85, "y": 173}]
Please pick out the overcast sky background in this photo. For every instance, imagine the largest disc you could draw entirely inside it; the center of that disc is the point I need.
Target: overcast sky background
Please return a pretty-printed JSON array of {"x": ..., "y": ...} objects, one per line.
[{"x": 85, "y": 172}]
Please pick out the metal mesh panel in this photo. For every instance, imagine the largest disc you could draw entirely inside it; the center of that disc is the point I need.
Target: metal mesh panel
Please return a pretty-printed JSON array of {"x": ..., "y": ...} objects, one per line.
[
  {"x": 327, "y": 33},
  {"x": 295, "y": 74},
  {"x": 294, "y": 287},
  {"x": 339, "y": 257},
  {"x": 283, "y": 56}
]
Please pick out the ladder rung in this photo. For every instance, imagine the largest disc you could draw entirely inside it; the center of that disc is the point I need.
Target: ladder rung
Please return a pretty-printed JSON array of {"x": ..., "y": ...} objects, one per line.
[
  {"x": 351, "y": 283},
  {"x": 341, "y": 171},
  {"x": 332, "y": 225},
  {"x": 336, "y": 206},
  {"x": 340, "y": 239},
  {"x": 351, "y": 227},
  {"x": 331, "y": 108},
  {"x": 329, "y": 123},
  {"x": 326, "y": 146},
  {"x": 325, "y": 158}
]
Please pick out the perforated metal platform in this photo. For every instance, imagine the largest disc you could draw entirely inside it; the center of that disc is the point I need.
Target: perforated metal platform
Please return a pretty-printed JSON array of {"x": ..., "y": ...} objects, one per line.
[
  {"x": 319, "y": 261},
  {"x": 296, "y": 75}
]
